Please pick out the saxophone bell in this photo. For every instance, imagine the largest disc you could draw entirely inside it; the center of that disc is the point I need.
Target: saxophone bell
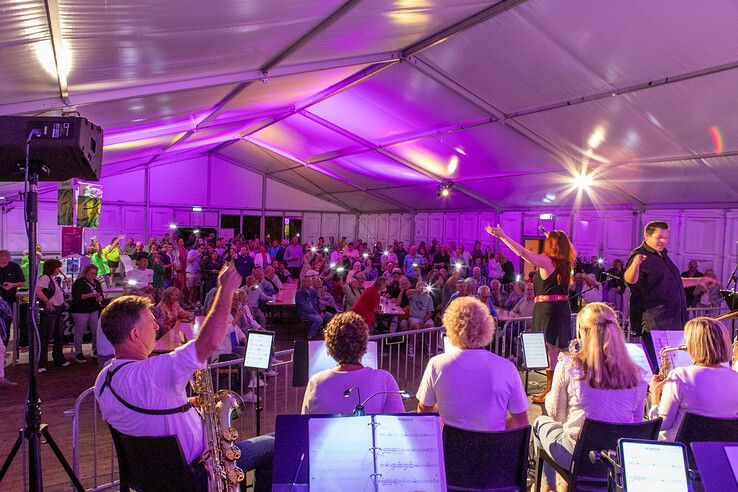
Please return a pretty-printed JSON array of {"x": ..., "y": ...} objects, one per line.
[{"x": 665, "y": 362}]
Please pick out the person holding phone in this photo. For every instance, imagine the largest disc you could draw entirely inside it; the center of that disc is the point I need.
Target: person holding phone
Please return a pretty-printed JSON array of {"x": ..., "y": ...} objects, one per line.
[{"x": 51, "y": 297}]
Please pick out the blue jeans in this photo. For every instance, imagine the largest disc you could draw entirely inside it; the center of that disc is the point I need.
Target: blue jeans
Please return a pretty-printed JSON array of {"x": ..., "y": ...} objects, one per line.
[
  {"x": 316, "y": 321},
  {"x": 549, "y": 435}
]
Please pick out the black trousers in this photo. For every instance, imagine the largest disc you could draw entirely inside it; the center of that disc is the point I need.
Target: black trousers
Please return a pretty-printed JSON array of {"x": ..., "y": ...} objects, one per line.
[{"x": 51, "y": 329}]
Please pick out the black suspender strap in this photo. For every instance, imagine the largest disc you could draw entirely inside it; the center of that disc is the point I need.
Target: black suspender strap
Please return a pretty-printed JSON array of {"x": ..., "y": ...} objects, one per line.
[{"x": 107, "y": 384}]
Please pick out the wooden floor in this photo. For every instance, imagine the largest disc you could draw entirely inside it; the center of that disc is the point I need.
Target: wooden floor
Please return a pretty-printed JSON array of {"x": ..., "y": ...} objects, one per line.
[{"x": 61, "y": 386}]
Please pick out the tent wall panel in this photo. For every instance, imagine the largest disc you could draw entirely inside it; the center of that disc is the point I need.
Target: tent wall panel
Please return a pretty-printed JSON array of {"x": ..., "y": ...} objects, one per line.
[
  {"x": 128, "y": 187},
  {"x": 511, "y": 223},
  {"x": 382, "y": 230},
  {"x": 329, "y": 226},
  {"x": 133, "y": 222},
  {"x": 283, "y": 197},
  {"x": 730, "y": 248},
  {"x": 311, "y": 227},
  {"x": 183, "y": 182},
  {"x": 408, "y": 225},
  {"x": 159, "y": 220},
  {"x": 588, "y": 233},
  {"x": 702, "y": 239},
  {"x": 347, "y": 225},
  {"x": 394, "y": 228},
  {"x": 451, "y": 227},
  {"x": 233, "y": 186},
  {"x": 618, "y": 236},
  {"x": 421, "y": 227},
  {"x": 435, "y": 226},
  {"x": 469, "y": 230}
]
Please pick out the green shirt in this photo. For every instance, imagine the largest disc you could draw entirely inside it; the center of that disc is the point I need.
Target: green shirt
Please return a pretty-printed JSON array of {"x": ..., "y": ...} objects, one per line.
[
  {"x": 102, "y": 265},
  {"x": 111, "y": 253},
  {"x": 158, "y": 281}
]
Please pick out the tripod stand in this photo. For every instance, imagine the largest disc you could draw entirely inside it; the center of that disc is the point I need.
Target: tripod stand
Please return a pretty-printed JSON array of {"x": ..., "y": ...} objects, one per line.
[{"x": 34, "y": 429}]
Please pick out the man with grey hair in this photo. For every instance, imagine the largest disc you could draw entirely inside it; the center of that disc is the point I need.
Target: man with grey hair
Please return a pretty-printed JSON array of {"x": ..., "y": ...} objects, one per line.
[
  {"x": 484, "y": 295},
  {"x": 141, "y": 395}
]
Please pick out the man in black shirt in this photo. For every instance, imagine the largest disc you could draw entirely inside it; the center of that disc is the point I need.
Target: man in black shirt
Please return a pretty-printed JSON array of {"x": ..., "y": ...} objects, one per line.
[
  {"x": 657, "y": 300},
  {"x": 11, "y": 277}
]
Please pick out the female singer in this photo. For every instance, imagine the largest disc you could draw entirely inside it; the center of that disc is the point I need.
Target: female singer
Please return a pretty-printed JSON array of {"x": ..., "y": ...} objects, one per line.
[
  {"x": 600, "y": 381},
  {"x": 552, "y": 313},
  {"x": 709, "y": 387}
]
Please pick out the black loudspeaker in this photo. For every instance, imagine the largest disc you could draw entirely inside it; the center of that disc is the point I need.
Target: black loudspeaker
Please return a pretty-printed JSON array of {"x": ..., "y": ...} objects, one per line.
[{"x": 69, "y": 146}]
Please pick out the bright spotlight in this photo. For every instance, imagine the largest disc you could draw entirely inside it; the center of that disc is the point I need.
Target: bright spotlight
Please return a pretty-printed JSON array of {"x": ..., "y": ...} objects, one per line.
[
  {"x": 172, "y": 226},
  {"x": 365, "y": 255},
  {"x": 444, "y": 190},
  {"x": 313, "y": 249},
  {"x": 386, "y": 253},
  {"x": 583, "y": 181}
]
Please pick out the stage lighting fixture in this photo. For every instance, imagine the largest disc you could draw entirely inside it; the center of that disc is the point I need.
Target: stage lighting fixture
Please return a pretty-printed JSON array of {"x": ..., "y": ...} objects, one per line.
[
  {"x": 583, "y": 181},
  {"x": 172, "y": 226},
  {"x": 444, "y": 190}
]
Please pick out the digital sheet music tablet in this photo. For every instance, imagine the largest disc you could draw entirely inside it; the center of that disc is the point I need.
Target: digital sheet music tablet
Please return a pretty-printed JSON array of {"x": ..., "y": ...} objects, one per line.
[
  {"x": 649, "y": 466},
  {"x": 448, "y": 346},
  {"x": 259, "y": 349},
  {"x": 638, "y": 355},
  {"x": 534, "y": 350}
]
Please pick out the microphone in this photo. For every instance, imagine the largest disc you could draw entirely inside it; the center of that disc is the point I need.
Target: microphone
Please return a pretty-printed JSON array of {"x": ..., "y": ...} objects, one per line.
[
  {"x": 542, "y": 229},
  {"x": 610, "y": 275},
  {"x": 359, "y": 409}
]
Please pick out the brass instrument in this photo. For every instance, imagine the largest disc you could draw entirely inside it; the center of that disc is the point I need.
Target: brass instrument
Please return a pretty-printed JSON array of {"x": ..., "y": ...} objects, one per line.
[
  {"x": 665, "y": 363},
  {"x": 724, "y": 317},
  {"x": 218, "y": 410}
]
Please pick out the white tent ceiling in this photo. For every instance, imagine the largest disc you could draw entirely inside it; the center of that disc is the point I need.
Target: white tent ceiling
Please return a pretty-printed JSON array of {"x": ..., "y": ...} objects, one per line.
[{"x": 377, "y": 102}]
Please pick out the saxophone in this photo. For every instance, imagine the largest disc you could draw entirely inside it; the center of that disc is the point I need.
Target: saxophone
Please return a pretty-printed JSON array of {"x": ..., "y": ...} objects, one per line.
[
  {"x": 217, "y": 410},
  {"x": 665, "y": 363}
]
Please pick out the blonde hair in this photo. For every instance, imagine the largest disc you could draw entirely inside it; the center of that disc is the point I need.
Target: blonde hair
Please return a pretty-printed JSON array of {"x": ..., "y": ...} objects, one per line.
[
  {"x": 468, "y": 323},
  {"x": 707, "y": 341},
  {"x": 603, "y": 359}
]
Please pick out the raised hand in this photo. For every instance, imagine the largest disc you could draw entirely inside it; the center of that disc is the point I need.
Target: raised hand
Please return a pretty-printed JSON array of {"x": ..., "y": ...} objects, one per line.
[
  {"x": 229, "y": 278},
  {"x": 494, "y": 231}
]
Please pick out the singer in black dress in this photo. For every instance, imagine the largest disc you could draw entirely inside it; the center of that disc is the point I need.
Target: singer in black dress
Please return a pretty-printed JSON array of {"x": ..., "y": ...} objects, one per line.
[{"x": 551, "y": 313}]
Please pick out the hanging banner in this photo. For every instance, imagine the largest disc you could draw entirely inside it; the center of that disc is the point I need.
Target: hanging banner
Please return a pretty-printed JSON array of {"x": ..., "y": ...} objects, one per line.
[
  {"x": 89, "y": 203},
  {"x": 65, "y": 201},
  {"x": 71, "y": 241}
]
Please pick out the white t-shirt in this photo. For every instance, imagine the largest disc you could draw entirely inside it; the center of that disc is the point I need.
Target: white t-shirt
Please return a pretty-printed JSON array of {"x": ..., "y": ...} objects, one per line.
[
  {"x": 143, "y": 277},
  {"x": 155, "y": 383},
  {"x": 324, "y": 392},
  {"x": 193, "y": 262},
  {"x": 707, "y": 391},
  {"x": 58, "y": 298},
  {"x": 474, "y": 389}
]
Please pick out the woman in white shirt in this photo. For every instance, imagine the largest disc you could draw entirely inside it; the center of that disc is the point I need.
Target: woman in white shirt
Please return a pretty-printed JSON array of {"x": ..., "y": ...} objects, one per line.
[
  {"x": 708, "y": 388},
  {"x": 600, "y": 382},
  {"x": 346, "y": 338},
  {"x": 470, "y": 387}
]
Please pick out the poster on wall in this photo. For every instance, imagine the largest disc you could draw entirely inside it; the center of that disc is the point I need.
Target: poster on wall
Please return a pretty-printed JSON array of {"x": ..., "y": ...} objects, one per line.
[
  {"x": 89, "y": 203},
  {"x": 65, "y": 207},
  {"x": 71, "y": 241}
]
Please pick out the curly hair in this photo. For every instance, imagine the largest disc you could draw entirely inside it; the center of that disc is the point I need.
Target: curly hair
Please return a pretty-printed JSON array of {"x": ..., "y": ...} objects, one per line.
[
  {"x": 346, "y": 338},
  {"x": 468, "y": 323}
]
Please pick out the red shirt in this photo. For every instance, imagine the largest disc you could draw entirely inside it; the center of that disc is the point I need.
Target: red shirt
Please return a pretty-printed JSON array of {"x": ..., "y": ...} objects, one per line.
[{"x": 367, "y": 304}]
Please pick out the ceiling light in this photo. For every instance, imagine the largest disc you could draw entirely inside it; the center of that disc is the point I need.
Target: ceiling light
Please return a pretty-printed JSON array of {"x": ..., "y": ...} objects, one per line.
[
  {"x": 453, "y": 164},
  {"x": 583, "y": 181},
  {"x": 172, "y": 226},
  {"x": 197, "y": 209},
  {"x": 545, "y": 217},
  {"x": 597, "y": 137},
  {"x": 444, "y": 190}
]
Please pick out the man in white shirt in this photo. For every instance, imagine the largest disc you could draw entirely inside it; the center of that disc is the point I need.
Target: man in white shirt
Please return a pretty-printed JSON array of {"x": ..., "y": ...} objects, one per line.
[
  {"x": 142, "y": 274},
  {"x": 141, "y": 395},
  {"x": 192, "y": 272}
]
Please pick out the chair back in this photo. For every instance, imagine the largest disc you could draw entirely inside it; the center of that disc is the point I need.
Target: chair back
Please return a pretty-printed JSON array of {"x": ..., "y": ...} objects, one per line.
[
  {"x": 697, "y": 428},
  {"x": 151, "y": 464},
  {"x": 486, "y": 461},
  {"x": 597, "y": 436}
]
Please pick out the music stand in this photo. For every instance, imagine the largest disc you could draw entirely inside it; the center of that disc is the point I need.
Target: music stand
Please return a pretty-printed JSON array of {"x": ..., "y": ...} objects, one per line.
[
  {"x": 714, "y": 467},
  {"x": 259, "y": 352}
]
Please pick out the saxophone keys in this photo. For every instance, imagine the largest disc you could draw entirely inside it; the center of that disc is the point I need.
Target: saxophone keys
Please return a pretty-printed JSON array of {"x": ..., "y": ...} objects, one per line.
[
  {"x": 230, "y": 434},
  {"x": 235, "y": 475},
  {"x": 231, "y": 452}
]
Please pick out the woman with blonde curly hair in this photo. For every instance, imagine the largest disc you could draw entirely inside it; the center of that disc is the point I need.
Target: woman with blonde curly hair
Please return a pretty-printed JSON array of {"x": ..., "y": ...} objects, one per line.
[
  {"x": 708, "y": 387},
  {"x": 346, "y": 338},
  {"x": 470, "y": 387},
  {"x": 600, "y": 382}
]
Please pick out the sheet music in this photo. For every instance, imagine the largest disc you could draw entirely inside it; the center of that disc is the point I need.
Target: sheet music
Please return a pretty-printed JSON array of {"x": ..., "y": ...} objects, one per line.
[
  {"x": 649, "y": 467},
  {"x": 534, "y": 349},
  {"x": 638, "y": 355},
  {"x": 732, "y": 453},
  {"x": 410, "y": 456},
  {"x": 661, "y": 339},
  {"x": 341, "y": 458}
]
